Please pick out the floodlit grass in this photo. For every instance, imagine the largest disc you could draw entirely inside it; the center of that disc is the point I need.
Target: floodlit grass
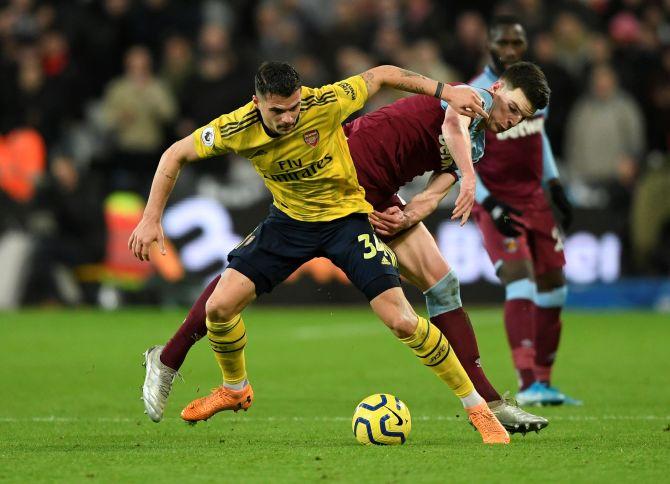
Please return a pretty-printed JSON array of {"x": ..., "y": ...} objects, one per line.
[{"x": 71, "y": 409}]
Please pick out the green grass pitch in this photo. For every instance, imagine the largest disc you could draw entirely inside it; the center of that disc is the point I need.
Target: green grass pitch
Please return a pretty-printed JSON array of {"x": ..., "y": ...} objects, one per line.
[{"x": 71, "y": 410}]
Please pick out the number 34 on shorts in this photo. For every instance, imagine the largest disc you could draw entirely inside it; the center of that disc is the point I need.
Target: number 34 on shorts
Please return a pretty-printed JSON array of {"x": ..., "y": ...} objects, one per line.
[{"x": 378, "y": 247}]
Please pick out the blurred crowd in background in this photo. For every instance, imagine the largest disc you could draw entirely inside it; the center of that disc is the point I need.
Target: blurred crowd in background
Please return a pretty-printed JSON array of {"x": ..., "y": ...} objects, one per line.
[{"x": 91, "y": 93}]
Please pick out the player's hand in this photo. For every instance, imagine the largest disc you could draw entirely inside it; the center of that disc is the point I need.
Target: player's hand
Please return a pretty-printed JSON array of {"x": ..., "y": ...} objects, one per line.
[
  {"x": 465, "y": 200},
  {"x": 501, "y": 213},
  {"x": 390, "y": 221},
  {"x": 465, "y": 101},
  {"x": 146, "y": 233},
  {"x": 560, "y": 200}
]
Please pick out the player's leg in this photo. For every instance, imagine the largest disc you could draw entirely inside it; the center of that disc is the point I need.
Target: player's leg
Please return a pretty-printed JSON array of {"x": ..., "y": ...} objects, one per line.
[
  {"x": 422, "y": 264},
  {"x": 264, "y": 259},
  {"x": 519, "y": 316},
  {"x": 192, "y": 330},
  {"x": 371, "y": 266},
  {"x": 549, "y": 301},
  {"x": 435, "y": 352},
  {"x": 548, "y": 260},
  {"x": 512, "y": 259},
  {"x": 227, "y": 336},
  {"x": 162, "y": 362}
]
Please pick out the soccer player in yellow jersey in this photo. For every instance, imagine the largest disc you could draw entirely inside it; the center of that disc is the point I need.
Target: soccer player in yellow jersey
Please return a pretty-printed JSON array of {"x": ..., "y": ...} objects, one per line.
[{"x": 293, "y": 136}]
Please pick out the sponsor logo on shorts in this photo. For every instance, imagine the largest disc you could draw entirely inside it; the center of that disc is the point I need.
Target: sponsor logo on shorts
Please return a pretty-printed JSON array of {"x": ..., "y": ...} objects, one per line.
[
  {"x": 208, "y": 136},
  {"x": 511, "y": 245},
  {"x": 311, "y": 137}
]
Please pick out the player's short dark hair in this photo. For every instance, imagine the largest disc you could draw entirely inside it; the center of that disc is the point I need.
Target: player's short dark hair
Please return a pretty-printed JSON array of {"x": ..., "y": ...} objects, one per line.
[
  {"x": 276, "y": 78},
  {"x": 531, "y": 80},
  {"x": 503, "y": 21}
]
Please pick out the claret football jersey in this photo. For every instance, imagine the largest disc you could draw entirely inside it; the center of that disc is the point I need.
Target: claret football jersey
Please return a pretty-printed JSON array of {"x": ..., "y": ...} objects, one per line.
[
  {"x": 398, "y": 142},
  {"x": 309, "y": 171}
]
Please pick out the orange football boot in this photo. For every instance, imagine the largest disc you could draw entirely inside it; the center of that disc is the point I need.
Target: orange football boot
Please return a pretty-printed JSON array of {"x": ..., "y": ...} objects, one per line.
[
  {"x": 221, "y": 398},
  {"x": 487, "y": 424}
]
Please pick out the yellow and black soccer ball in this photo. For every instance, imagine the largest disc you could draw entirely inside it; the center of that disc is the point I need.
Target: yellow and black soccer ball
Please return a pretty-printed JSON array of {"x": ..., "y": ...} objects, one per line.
[{"x": 381, "y": 419}]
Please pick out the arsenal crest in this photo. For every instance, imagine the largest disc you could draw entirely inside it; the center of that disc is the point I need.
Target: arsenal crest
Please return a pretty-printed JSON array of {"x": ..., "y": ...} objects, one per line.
[{"x": 311, "y": 137}]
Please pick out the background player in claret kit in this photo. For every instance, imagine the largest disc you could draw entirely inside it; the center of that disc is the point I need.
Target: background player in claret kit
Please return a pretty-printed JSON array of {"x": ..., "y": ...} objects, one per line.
[
  {"x": 519, "y": 230},
  {"x": 293, "y": 136},
  {"x": 390, "y": 147}
]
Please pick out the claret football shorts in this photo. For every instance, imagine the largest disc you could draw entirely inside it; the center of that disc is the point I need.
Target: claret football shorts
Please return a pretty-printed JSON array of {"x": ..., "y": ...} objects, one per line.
[{"x": 540, "y": 240}]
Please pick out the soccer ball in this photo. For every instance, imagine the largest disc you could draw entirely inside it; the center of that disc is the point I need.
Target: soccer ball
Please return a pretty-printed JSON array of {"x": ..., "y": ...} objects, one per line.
[{"x": 381, "y": 419}]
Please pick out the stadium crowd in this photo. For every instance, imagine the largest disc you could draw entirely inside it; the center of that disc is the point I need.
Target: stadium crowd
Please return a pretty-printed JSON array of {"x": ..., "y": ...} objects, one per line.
[{"x": 93, "y": 91}]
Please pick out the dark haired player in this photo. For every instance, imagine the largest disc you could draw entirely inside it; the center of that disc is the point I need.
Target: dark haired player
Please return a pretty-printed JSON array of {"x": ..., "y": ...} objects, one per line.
[
  {"x": 519, "y": 230},
  {"x": 293, "y": 136},
  {"x": 390, "y": 147}
]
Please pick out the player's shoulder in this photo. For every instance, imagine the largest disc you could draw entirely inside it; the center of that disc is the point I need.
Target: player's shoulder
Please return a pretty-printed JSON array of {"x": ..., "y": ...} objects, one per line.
[
  {"x": 317, "y": 96},
  {"x": 350, "y": 88},
  {"x": 236, "y": 121}
]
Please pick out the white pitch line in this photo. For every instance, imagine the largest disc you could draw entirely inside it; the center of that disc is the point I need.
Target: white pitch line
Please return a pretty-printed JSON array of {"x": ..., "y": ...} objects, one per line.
[{"x": 422, "y": 418}]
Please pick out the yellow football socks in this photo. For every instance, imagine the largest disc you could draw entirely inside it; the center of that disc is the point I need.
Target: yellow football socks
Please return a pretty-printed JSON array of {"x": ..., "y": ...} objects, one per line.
[
  {"x": 228, "y": 340},
  {"x": 435, "y": 352}
]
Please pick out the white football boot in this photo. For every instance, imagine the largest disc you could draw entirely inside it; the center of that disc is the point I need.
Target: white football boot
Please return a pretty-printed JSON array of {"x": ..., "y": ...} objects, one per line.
[
  {"x": 157, "y": 383},
  {"x": 514, "y": 419}
]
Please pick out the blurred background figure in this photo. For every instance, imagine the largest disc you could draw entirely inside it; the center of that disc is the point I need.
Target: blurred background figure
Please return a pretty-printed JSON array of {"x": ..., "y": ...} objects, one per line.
[
  {"x": 136, "y": 108},
  {"x": 605, "y": 138},
  {"x": 68, "y": 228}
]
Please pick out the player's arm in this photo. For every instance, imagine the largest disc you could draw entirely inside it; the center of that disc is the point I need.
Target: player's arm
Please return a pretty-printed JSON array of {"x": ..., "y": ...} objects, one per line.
[
  {"x": 550, "y": 177},
  {"x": 149, "y": 230},
  {"x": 457, "y": 138},
  {"x": 394, "y": 220},
  {"x": 465, "y": 101}
]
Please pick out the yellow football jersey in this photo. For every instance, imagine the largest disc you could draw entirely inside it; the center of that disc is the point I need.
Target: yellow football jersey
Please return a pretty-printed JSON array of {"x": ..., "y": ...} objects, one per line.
[{"x": 309, "y": 171}]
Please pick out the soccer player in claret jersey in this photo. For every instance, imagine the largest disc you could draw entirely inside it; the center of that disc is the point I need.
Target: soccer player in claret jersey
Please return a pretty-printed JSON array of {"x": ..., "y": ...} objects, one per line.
[
  {"x": 386, "y": 155},
  {"x": 519, "y": 230},
  {"x": 293, "y": 136}
]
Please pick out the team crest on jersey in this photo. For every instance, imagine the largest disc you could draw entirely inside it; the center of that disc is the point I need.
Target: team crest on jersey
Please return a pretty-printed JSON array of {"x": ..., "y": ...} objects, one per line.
[
  {"x": 208, "y": 136},
  {"x": 511, "y": 245},
  {"x": 311, "y": 137}
]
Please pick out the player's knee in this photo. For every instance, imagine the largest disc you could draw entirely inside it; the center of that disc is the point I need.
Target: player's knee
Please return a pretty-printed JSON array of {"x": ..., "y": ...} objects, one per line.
[
  {"x": 444, "y": 296},
  {"x": 402, "y": 322},
  {"x": 218, "y": 310},
  {"x": 512, "y": 271},
  {"x": 402, "y": 327},
  {"x": 550, "y": 280}
]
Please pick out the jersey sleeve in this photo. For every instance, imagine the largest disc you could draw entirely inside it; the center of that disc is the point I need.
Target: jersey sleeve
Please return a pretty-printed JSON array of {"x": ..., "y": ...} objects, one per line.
[
  {"x": 208, "y": 141},
  {"x": 352, "y": 94},
  {"x": 218, "y": 136}
]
